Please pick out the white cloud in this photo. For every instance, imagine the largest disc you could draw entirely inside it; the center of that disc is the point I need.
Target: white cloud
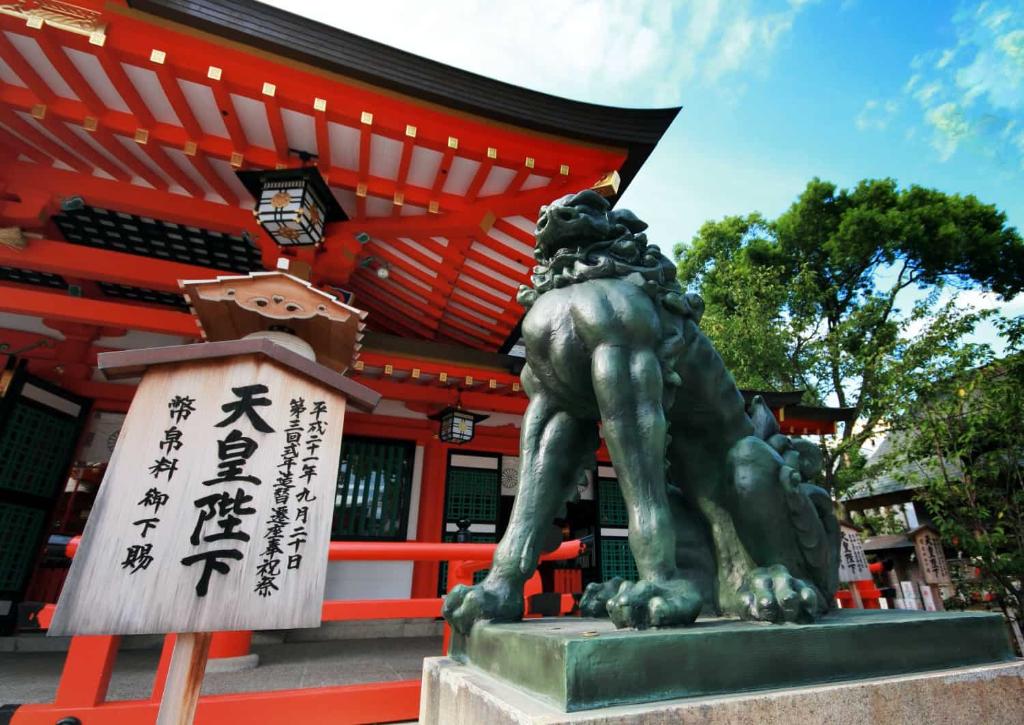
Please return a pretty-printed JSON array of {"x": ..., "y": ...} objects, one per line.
[
  {"x": 981, "y": 300},
  {"x": 950, "y": 128},
  {"x": 927, "y": 93},
  {"x": 875, "y": 115},
  {"x": 947, "y": 56},
  {"x": 971, "y": 93},
  {"x": 597, "y": 51}
]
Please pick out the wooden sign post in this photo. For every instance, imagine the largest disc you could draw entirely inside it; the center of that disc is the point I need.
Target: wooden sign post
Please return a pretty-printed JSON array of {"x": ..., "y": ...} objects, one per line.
[
  {"x": 853, "y": 564},
  {"x": 216, "y": 508},
  {"x": 184, "y": 678},
  {"x": 931, "y": 560}
]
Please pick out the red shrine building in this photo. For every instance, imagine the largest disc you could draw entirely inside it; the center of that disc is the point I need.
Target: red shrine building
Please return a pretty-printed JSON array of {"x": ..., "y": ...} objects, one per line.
[{"x": 136, "y": 136}]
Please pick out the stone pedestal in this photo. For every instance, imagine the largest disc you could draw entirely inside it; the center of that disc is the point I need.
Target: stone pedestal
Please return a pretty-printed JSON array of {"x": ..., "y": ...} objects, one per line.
[
  {"x": 455, "y": 694},
  {"x": 580, "y": 670}
]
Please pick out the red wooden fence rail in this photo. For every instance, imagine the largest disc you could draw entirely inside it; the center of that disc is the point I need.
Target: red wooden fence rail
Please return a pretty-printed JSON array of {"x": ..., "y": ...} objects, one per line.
[{"x": 82, "y": 691}]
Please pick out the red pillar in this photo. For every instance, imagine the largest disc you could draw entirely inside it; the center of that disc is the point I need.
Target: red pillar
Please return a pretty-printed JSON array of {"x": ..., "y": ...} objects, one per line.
[
  {"x": 230, "y": 644},
  {"x": 430, "y": 522}
]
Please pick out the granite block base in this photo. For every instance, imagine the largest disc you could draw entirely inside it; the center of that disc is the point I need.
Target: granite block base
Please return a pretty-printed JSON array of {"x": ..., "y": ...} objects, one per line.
[
  {"x": 456, "y": 694},
  {"x": 579, "y": 664}
]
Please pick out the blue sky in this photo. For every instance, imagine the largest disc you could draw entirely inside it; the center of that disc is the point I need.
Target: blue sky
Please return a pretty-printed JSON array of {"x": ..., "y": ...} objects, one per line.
[{"x": 774, "y": 92}]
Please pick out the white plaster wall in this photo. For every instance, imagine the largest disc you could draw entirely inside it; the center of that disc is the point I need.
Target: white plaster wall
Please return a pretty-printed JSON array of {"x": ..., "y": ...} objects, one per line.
[
  {"x": 379, "y": 579},
  {"x": 368, "y": 580},
  {"x": 414, "y": 495}
]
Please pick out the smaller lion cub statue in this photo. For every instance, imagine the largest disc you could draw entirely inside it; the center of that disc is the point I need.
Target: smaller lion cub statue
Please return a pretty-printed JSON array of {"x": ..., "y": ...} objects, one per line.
[{"x": 723, "y": 518}]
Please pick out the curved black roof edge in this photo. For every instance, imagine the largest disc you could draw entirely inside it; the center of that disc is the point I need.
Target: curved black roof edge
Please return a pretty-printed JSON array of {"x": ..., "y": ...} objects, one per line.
[{"x": 308, "y": 41}]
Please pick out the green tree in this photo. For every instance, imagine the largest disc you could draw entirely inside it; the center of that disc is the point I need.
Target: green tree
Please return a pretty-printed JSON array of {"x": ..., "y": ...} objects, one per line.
[
  {"x": 812, "y": 300},
  {"x": 961, "y": 435}
]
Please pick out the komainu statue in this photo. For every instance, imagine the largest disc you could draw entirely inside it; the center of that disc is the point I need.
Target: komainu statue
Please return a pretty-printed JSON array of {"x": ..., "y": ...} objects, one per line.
[{"x": 722, "y": 515}]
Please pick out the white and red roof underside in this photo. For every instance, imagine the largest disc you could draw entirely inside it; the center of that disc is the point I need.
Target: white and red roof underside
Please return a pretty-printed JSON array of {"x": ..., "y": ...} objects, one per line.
[{"x": 156, "y": 120}]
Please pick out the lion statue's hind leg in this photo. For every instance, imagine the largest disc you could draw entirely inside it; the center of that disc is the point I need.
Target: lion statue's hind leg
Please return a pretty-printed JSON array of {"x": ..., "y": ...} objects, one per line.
[{"x": 789, "y": 530}]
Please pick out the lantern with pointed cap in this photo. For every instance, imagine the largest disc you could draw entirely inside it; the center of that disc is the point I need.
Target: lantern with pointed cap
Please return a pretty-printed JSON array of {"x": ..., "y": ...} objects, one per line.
[
  {"x": 292, "y": 205},
  {"x": 457, "y": 425}
]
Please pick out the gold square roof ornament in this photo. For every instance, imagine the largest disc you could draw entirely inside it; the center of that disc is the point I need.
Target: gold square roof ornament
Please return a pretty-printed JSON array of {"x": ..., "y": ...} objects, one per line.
[{"x": 280, "y": 307}]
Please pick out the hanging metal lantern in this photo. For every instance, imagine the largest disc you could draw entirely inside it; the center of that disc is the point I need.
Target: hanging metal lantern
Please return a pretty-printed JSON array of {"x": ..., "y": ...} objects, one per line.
[
  {"x": 292, "y": 205},
  {"x": 457, "y": 425}
]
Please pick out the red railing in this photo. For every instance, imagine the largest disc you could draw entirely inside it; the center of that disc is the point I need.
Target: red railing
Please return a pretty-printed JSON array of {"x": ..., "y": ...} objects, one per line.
[{"x": 90, "y": 661}]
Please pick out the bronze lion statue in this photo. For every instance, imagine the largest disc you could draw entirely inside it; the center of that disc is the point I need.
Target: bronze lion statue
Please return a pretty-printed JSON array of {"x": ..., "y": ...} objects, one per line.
[{"x": 723, "y": 517}]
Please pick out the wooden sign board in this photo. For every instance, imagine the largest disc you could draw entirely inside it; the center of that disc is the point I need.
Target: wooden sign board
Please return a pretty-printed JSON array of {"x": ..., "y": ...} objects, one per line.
[
  {"x": 216, "y": 508},
  {"x": 930, "y": 556},
  {"x": 909, "y": 592},
  {"x": 929, "y": 600},
  {"x": 853, "y": 564}
]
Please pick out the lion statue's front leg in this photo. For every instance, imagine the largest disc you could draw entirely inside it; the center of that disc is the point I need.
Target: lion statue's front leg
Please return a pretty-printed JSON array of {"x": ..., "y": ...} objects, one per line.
[
  {"x": 629, "y": 387},
  {"x": 553, "y": 447}
]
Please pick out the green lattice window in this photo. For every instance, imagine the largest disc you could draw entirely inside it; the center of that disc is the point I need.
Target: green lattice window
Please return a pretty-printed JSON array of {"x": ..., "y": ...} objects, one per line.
[
  {"x": 612, "y": 508},
  {"x": 617, "y": 560},
  {"x": 32, "y": 446},
  {"x": 19, "y": 531},
  {"x": 472, "y": 494},
  {"x": 374, "y": 485}
]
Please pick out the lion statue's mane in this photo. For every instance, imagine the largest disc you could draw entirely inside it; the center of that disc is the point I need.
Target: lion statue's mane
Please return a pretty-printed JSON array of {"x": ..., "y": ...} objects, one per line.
[{"x": 622, "y": 251}]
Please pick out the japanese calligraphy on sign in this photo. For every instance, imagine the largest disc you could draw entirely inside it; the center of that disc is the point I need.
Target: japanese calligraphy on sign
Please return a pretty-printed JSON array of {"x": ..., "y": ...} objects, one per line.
[
  {"x": 930, "y": 556},
  {"x": 216, "y": 507},
  {"x": 853, "y": 565}
]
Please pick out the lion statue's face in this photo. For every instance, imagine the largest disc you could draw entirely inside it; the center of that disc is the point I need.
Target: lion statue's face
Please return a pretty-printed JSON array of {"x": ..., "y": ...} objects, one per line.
[{"x": 579, "y": 220}]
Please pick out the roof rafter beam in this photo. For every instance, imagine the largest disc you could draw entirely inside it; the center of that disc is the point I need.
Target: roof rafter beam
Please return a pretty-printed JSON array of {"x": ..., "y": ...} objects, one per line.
[
  {"x": 18, "y": 147},
  {"x": 487, "y": 295},
  {"x": 293, "y": 83},
  {"x": 236, "y": 135},
  {"x": 373, "y": 357},
  {"x": 162, "y": 134},
  {"x": 440, "y": 267},
  {"x": 101, "y": 265},
  {"x": 153, "y": 203},
  {"x": 482, "y": 172},
  {"x": 277, "y": 133},
  {"x": 509, "y": 317},
  {"x": 500, "y": 267},
  {"x": 323, "y": 139},
  {"x": 134, "y": 43},
  {"x": 444, "y": 167},
  {"x": 169, "y": 83},
  {"x": 504, "y": 250},
  {"x": 476, "y": 333},
  {"x": 397, "y": 306},
  {"x": 406, "y": 266},
  {"x": 405, "y": 159},
  {"x": 56, "y": 306},
  {"x": 430, "y": 312},
  {"x": 395, "y": 309},
  {"x": 507, "y": 227},
  {"x": 35, "y": 137},
  {"x": 363, "y": 179},
  {"x": 74, "y": 78}
]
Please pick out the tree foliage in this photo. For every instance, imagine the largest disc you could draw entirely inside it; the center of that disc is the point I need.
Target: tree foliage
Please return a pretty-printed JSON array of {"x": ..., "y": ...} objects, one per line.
[
  {"x": 962, "y": 446},
  {"x": 815, "y": 299}
]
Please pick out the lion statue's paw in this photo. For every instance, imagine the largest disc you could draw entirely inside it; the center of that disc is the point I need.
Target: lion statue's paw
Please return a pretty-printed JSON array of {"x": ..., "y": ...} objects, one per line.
[
  {"x": 463, "y": 605},
  {"x": 644, "y": 604},
  {"x": 594, "y": 602},
  {"x": 772, "y": 594}
]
